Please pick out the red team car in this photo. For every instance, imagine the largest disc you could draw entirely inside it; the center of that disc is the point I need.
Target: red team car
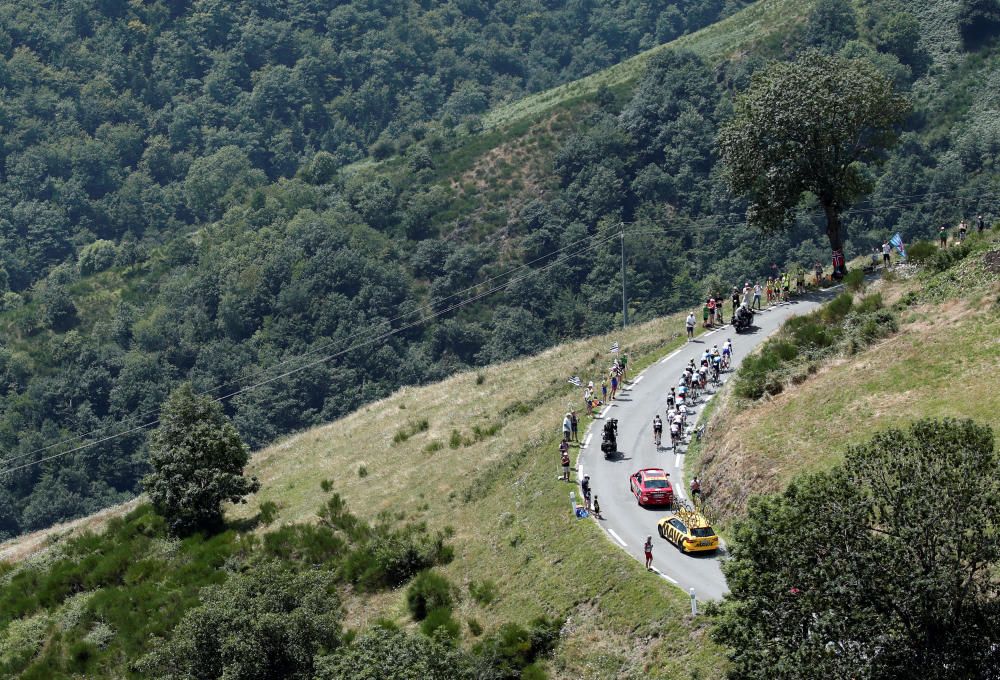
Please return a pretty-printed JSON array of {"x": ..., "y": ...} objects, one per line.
[{"x": 651, "y": 486}]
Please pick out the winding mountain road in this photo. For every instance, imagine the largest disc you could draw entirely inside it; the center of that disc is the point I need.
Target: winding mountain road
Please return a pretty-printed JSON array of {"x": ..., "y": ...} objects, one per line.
[{"x": 626, "y": 523}]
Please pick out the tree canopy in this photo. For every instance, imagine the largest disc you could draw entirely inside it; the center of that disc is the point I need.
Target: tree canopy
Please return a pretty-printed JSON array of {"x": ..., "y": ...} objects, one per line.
[
  {"x": 812, "y": 125},
  {"x": 885, "y": 567}
]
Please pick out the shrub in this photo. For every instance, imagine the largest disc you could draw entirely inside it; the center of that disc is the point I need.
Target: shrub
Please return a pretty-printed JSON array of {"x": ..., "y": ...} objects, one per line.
[
  {"x": 433, "y": 447},
  {"x": 854, "y": 281},
  {"x": 483, "y": 592},
  {"x": 869, "y": 303},
  {"x": 440, "y": 619},
  {"x": 921, "y": 252},
  {"x": 428, "y": 590},
  {"x": 268, "y": 512},
  {"x": 944, "y": 259},
  {"x": 475, "y": 628},
  {"x": 362, "y": 471},
  {"x": 838, "y": 308},
  {"x": 513, "y": 648}
]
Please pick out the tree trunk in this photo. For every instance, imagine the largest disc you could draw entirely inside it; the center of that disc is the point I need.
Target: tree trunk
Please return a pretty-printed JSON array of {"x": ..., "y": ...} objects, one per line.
[{"x": 835, "y": 232}]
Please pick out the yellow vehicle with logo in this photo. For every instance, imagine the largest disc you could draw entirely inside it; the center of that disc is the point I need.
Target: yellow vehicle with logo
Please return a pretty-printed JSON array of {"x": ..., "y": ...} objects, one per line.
[{"x": 689, "y": 531}]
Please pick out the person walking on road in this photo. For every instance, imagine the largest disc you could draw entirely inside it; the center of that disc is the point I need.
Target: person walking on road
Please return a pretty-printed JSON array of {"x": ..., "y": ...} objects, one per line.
[
  {"x": 648, "y": 549},
  {"x": 597, "y": 508},
  {"x": 690, "y": 326}
]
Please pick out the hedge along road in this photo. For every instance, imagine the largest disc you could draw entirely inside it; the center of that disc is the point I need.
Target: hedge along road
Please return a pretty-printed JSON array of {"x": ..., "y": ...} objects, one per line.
[{"x": 626, "y": 523}]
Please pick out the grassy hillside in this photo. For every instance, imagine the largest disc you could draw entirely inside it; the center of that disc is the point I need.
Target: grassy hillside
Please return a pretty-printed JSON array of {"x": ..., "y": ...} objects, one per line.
[
  {"x": 476, "y": 456},
  {"x": 479, "y": 453},
  {"x": 940, "y": 363}
]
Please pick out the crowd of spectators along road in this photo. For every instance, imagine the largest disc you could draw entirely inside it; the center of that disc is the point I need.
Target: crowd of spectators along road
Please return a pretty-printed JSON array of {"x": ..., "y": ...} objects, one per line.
[{"x": 773, "y": 289}]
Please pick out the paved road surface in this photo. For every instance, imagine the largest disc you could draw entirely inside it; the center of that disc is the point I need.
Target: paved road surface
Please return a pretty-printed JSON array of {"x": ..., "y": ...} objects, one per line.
[{"x": 626, "y": 523}]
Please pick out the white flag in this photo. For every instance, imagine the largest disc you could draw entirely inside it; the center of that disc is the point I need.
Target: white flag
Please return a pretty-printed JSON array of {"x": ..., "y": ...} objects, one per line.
[
  {"x": 615, "y": 348},
  {"x": 575, "y": 380}
]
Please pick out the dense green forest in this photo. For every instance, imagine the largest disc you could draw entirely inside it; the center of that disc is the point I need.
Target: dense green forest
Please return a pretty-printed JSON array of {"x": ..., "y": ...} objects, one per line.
[{"x": 177, "y": 205}]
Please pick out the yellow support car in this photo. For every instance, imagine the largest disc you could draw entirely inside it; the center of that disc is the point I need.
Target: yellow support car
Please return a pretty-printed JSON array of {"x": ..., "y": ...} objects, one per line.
[{"x": 689, "y": 531}]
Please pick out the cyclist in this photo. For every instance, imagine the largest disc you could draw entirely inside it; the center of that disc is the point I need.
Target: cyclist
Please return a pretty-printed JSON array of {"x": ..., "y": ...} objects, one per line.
[
  {"x": 675, "y": 432},
  {"x": 657, "y": 430},
  {"x": 672, "y": 398},
  {"x": 727, "y": 353}
]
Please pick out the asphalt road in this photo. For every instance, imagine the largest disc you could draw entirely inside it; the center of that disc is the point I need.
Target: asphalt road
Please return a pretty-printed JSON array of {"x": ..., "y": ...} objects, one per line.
[{"x": 626, "y": 523}]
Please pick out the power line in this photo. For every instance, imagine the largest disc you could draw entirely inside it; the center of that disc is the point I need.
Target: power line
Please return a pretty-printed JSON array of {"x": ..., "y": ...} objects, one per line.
[
  {"x": 596, "y": 239},
  {"x": 604, "y": 239}
]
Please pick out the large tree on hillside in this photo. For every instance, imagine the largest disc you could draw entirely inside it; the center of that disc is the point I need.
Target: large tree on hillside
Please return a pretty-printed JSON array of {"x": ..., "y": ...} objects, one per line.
[
  {"x": 198, "y": 459},
  {"x": 810, "y": 126},
  {"x": 886, "y": 567}
]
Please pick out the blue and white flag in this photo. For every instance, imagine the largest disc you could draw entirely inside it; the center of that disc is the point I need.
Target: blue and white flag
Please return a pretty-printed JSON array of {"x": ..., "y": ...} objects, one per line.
[
  {"x": 897, "y": 243},
  {"x": 614, "y": 348},
  {"x": 575, "y": 380}
]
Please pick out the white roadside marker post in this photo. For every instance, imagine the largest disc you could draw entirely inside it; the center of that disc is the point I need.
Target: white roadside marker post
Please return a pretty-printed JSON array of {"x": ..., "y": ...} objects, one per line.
[{"x": 694, "y": 603}]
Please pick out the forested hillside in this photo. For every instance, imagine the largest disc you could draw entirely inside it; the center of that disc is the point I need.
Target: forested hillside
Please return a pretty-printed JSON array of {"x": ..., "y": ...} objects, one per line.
[{"x": 198, "y": 221}]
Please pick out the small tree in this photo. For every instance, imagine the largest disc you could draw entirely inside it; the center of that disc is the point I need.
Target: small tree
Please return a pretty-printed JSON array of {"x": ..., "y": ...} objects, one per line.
[
  {"x": 810, "y": 126},
  {"x": 885, "y": 567},
  {"x": 198, "y": 459}
]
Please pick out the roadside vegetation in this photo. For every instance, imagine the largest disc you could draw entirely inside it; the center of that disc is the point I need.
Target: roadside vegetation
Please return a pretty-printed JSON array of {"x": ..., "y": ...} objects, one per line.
[{"x": 913, "y": 344}]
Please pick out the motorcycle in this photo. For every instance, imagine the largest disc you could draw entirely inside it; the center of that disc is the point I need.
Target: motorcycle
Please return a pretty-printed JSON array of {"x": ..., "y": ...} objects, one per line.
[{"x": 609, "y": 438}]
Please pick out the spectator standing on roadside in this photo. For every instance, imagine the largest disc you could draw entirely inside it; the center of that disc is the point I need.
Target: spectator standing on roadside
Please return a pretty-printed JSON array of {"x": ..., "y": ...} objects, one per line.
[
  {"x": 565, "y": 463},
  {"x": 567, "y": 428},
  {"x": 980, "y": 224},
  {"x": 704, "y": 314},
  {"x": 800, "y": 281},
  {"x": 689, "y": 324},
  {"x": 963, "y": 227},
  {"x": 711, "y": 311},
  {"x": 614, "y": 383},
  {"x": 886, "y": 254},
  {"x": 648, "y": 549},
  {"x": 943, "y": 236},
  {"x": 588, "y": 398},
  {"x": 756, "y": 295},
  {"x": 604, "y": 391},
  {"x": 819, "y": 273},
  {"x": 623, "y": 361},
  {"x": 574, "y": 424},
  {"x": 736, "y": 302}
]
